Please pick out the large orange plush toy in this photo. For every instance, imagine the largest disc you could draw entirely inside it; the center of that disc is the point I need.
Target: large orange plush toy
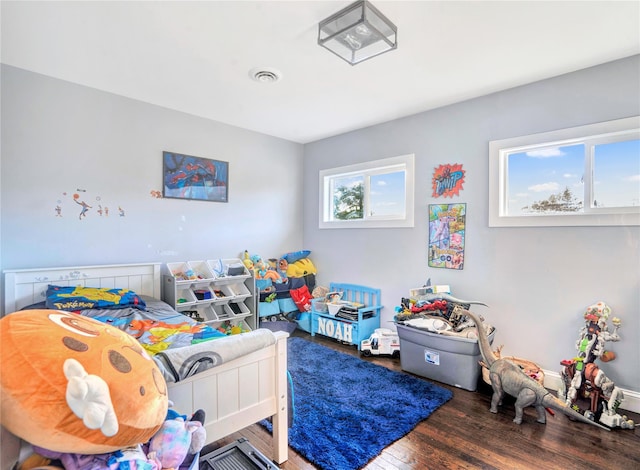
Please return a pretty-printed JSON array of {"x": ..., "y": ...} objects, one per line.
[{"x": 72, "y": 384}]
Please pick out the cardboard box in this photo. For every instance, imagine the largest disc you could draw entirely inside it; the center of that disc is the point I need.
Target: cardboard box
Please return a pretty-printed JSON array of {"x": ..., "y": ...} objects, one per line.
[{"x": 447, "y": 359}]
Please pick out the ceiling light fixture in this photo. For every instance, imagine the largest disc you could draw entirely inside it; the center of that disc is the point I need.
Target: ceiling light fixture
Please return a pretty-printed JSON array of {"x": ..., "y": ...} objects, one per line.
[
  {"x": 265, "y": 75},
  {"x": 358, "y": 32}
]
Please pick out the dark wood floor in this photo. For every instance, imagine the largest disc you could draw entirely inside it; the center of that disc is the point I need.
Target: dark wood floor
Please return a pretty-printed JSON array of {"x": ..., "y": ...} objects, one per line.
[{"x": 463, "y": 434}]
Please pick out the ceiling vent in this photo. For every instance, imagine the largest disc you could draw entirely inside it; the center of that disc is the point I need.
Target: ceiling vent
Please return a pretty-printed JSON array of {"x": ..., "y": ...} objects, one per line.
[{"x": 265, "y": 75}]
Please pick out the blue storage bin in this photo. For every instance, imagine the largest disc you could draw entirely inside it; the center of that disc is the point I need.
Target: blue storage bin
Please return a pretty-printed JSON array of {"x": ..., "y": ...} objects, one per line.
[
  {"x": 283, "y": 290},
  {"x": 262, "y": 284},
  {"x": 304, "y": 321},
  {"x": 287, "y": 305},
  {"x": 266, "y": 309}
]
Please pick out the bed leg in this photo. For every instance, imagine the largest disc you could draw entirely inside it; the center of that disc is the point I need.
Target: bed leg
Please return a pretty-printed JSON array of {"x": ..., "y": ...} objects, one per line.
[{"x": 280, "y": 420}]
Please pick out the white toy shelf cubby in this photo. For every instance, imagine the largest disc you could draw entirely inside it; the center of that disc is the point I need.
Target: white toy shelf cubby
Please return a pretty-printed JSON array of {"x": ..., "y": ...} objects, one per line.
[{"x": 212, "y": 291}]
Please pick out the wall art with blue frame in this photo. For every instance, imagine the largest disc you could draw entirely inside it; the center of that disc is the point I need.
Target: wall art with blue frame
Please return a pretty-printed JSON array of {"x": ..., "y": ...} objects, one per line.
[{"x": 196, "y": 178}]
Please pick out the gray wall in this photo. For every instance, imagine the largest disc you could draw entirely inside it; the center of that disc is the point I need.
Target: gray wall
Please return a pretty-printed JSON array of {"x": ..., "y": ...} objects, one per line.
[
  {"x": 537, "y": 281},
  {"x": 59, "y": 137}
]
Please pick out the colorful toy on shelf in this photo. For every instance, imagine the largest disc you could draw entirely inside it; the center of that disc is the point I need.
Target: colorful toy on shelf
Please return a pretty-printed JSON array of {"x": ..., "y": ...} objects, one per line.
[
  {"x": 261, "y": 269},
  {"x": 283, "y": 264},
  {"x": 582, "y": 378},
  {"x": 246, "y": 260}
]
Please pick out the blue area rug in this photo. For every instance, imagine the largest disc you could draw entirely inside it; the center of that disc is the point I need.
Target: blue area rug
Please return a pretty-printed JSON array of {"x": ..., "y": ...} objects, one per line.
[{"x": 347, "y": 410}]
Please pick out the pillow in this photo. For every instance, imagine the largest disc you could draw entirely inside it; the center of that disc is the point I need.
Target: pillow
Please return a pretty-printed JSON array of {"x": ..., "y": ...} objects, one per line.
[
  {"x": 70, "y": 298},
  {"x": 294, "y": 256}
]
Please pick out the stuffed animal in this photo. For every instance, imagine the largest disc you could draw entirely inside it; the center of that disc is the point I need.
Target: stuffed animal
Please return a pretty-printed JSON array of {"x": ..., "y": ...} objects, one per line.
[
  {"x": 246, "y": 260},
  {"x": 198, "y": 439},
  {"x": 300, "y": 268},
  {"x": 259, "y": 266},
  {"x": 132, "y": 458},
  {"x": 199, "y": 436},
  {"x": 273, "y": 275},
  {"x": 75, "y": 385},
  {"x": 171, "y": 444},
  {"x": 33, "y": 461}
]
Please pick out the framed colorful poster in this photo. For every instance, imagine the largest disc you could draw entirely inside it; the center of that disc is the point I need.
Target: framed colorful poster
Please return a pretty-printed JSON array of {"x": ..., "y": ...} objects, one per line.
[
  {"x": 188, "y": 177},
  {"x": 446, "y": 235}
]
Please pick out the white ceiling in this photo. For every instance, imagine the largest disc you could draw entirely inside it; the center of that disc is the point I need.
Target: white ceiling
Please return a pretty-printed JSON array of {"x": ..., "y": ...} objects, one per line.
[{"x": 196, "y": 56}]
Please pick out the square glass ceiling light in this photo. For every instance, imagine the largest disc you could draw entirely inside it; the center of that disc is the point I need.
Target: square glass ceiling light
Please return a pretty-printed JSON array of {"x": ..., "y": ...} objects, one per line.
[{"x": 358, "y": 32}]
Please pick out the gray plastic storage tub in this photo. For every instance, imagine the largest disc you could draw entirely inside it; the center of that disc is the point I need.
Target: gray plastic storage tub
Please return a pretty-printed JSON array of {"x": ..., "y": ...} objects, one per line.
[{"x": 447, "y": 359}]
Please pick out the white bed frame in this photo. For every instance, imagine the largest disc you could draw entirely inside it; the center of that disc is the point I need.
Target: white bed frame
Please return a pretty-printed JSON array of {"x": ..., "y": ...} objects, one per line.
[{"x": 233, "y": 395}]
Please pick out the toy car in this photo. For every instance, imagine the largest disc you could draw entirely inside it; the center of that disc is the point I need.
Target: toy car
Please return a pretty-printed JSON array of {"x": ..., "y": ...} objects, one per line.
[{"x": 381, "y": 341}]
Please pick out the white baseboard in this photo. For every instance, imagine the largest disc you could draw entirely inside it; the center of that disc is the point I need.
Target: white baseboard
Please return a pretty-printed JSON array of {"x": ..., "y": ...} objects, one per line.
[{"x": 631, "y": 400}]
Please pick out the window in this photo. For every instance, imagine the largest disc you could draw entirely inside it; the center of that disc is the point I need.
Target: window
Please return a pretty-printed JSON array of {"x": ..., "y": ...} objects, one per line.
[
  {"x": 588, "y": 175},
  {"x": 372, "y": 194}
]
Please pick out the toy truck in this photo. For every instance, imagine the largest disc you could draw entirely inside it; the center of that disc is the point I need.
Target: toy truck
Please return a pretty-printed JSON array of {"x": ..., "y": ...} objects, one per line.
[{"x": 381, "y": 341}]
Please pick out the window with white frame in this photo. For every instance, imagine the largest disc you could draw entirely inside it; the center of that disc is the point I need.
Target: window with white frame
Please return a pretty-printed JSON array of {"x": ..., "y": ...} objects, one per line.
[
  {"x": 366, "y": 195},
  {"x": 588, "y": 175}
]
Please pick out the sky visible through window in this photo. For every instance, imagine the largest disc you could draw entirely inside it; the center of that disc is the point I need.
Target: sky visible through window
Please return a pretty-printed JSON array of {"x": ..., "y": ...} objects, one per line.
[
  {"x": 617, "y": 174},
  {"x": 536, "y": 175},
  {"x": 386, "y": 192}
]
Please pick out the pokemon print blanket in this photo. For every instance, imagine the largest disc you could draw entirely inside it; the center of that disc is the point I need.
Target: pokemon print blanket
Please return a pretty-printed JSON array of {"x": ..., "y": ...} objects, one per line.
[{"x": 180, "y": 345}]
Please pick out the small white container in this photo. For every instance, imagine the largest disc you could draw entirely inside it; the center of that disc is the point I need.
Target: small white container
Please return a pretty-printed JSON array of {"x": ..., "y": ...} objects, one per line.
[
  {"x": 236, "y": 290},
  {"x": 180, "y": 271},
  {"x": 201, "y": 270},
  {"x": 185, "y": 297},
  {"x": 239, "y": 309},
  {"x": 334, "y": 308}
]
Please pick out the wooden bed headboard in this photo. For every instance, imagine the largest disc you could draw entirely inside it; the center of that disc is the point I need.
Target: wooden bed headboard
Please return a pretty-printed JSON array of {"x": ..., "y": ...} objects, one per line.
[{"x": 24, "y": 287}]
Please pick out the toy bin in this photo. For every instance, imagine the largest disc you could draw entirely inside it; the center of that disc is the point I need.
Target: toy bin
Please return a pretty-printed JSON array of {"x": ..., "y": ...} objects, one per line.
[
  {"x": 283, "y": 290},
  {"x": 267, "y": 309},
  {"x": 185, "y": 297},
  {"x": 447, "y": 359},
  {"x": 220, "y": 312},
  {"x": 201, "y": 270},
  {"x": 203, "y": 293},
  {"x": 239, "y": 309},
  {"x": 262, "y": 284},
  {"x": 304, "y": 321},
  {"x": 181, "y": 271},
  {"x": 319, "y": 304},
  {"x": 227, "y": 267},
  {"x": 209, "y": 313},
  {"x": 236, "y": 291},
  {"x": 287, "y": 305}
]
